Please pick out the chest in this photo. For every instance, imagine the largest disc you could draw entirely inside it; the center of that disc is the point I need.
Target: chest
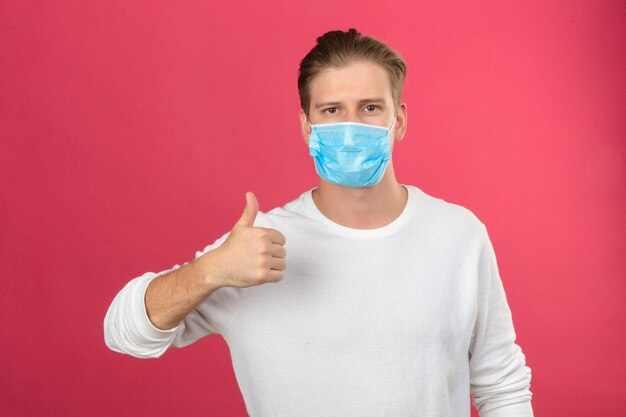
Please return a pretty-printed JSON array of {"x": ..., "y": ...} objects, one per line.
[{"x": 359, "y": 300}]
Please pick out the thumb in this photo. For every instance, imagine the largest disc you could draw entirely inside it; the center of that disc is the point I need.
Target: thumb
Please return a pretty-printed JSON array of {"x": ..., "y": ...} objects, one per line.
[{"x": 249, "y": 213}]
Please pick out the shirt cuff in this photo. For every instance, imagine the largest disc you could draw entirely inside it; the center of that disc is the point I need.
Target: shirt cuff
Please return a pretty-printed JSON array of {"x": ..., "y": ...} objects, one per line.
[{"x": 144, "y": 324}]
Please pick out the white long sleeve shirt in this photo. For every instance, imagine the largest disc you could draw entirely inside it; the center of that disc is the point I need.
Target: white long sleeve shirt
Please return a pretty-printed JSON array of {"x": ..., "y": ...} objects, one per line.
[{"x": 404, "y": 320}]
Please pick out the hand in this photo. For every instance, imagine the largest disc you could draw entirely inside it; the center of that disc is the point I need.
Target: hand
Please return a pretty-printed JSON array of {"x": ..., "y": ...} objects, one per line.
[{"x": 250, "y": 255}]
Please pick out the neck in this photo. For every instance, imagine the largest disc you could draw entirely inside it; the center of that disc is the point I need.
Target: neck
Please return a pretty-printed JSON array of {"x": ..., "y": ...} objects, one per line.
[{"x": 362, "y": 208}]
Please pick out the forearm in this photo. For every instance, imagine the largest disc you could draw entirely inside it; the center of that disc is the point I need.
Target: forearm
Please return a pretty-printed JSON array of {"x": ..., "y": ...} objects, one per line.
[{"x": 170, "y": 297}]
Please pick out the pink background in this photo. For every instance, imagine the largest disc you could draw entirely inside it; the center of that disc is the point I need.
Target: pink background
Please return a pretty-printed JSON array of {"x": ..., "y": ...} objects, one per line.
[{"x": 130, "y": 132}]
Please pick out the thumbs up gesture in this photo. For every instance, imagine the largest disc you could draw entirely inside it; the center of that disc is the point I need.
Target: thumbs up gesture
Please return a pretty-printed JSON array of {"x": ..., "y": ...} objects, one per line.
[{"x": 250, "y": 255}]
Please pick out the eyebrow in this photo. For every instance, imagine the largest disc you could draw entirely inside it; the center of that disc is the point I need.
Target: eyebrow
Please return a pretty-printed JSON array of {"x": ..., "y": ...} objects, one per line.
[{"x": 365, "y": 100}]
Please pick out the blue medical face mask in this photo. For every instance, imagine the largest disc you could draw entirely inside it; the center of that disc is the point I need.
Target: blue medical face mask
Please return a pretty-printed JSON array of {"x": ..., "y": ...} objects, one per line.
[{"x": 350, "y": 153}]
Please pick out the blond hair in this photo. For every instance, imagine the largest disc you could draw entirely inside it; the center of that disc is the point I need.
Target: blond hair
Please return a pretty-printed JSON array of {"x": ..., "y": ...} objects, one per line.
[{"x": 337, "y": 49}]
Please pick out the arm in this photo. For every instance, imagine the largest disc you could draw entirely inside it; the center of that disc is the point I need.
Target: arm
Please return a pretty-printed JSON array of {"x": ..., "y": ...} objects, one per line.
[
  {"x": 178, "y": 306},
  {"x": 172, "y": 301},
  {"x": 170, "y": 297},
  {"x": 499, "y": 377}
]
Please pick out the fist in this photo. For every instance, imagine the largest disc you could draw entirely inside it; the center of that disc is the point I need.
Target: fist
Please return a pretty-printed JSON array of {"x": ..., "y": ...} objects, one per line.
[{"x": 250, "y": 255}]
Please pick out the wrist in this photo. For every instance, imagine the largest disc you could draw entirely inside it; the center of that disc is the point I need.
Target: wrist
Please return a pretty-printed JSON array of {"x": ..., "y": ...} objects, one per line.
[{"x": 207, "y": 272}]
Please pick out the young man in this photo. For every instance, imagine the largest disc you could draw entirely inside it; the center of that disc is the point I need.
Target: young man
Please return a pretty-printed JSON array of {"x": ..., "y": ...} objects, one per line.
[{"x": 391, "y": 303}]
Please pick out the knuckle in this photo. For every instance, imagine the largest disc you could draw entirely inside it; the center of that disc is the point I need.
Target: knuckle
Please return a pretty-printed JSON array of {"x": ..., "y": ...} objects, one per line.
[
  {"x": 262, "y": 262},
  {"x": 262, "y": 274}
]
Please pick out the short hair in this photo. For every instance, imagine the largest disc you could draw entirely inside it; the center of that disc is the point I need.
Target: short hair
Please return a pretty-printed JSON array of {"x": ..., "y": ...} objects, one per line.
[{"x": 336, "y": 49}]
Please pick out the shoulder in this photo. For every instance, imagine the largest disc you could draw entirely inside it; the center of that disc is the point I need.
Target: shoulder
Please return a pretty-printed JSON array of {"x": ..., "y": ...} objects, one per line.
[
  {"x": 447, "y": 215},
  {"x": 290, "y": 212}
]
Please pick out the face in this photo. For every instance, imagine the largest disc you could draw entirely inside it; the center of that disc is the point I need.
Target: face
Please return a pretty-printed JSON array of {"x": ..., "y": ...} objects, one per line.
[{"x": 359, "y": 92}]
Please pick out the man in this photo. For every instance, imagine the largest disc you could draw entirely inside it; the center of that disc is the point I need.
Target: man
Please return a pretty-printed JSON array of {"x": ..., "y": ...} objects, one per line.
[{"x": 362, "y": 297}]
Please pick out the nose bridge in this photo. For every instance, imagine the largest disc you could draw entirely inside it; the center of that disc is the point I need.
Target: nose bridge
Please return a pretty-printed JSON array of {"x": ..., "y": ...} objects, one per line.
[{"x": 352, "y": 115}]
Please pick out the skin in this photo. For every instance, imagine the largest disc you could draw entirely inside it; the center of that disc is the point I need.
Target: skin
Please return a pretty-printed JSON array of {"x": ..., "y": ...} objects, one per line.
[
  {"x": 347, "y": 88},
  {"x": 256, "y": 255}
]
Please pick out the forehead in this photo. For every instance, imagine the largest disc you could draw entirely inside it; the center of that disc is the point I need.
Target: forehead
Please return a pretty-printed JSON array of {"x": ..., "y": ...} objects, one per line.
[{"x": 354, "y": 81}]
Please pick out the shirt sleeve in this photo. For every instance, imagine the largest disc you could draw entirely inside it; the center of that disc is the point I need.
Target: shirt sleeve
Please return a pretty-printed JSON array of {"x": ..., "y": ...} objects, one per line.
[
  {"x": 499, "y": 377},
  {"x": 128, "y": 330}
]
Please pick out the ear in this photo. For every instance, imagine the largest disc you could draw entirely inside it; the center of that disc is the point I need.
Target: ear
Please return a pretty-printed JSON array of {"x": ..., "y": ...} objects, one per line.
[
  {"x": 401, "y": 122},
  {"x": 304, "y": 127}
]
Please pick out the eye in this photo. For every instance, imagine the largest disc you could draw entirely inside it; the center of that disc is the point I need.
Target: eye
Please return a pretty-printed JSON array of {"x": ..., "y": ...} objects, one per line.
[
  {"x": 372, "y": 107},
  {"x": 331, "y": 108}
]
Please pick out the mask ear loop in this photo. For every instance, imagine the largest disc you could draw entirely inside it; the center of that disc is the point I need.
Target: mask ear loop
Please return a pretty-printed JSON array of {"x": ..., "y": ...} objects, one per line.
[{"x": 394, "y": 122}]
